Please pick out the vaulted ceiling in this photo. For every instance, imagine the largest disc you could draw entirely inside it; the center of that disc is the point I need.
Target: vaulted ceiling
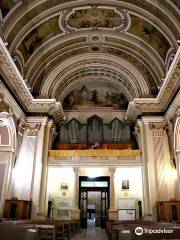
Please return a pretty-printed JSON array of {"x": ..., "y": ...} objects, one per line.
[{"x": 58, "y": 45}]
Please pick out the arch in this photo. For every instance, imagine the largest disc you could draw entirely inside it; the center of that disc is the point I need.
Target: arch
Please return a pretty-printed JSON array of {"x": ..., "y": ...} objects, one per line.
[
  {"x": 177, "y": 135},
  {"x": 7, "y": 121}
]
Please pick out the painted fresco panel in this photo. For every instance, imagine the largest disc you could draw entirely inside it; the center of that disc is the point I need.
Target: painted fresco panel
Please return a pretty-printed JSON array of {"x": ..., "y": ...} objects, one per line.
[{"x": 95, "y": 94}]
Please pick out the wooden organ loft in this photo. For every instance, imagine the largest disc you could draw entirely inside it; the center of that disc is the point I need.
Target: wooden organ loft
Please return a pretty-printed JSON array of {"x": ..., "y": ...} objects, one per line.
[{"x": 95, "y": 134}]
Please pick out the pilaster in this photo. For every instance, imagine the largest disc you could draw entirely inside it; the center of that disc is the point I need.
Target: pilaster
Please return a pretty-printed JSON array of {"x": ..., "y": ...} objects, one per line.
[
  {"x": 75, "y": 212},
  {"x": 39, "y": 122},
  {"x": 157, "y": 130},
  {"x": 164, "y": 167},
  {"x": 146, "y": 188},
  {"x": 176, "y": 146},
  {"x": 112, "y": 213},
  {"x": 43, "y": 184}
]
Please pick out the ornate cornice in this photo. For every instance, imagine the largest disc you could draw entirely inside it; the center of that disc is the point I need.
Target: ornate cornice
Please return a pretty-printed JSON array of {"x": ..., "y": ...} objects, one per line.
[
  {"x": 8, "y": 99},
  {"x": 167, "y": 91},
  {"x": 18, "y": 86}
]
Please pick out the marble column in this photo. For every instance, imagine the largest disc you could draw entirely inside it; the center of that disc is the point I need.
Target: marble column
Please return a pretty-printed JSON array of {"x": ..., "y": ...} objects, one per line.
[
  {"x": 23, "y": 170},
  {"x": 145, "y": 175},
  {"x": 176, "y": 146},
  {"x": 76, "y": 187},
  {"x": 112, "y": 210},
  {"x": 43, "y": 185},
  {"x": 164, "y": 168},
  {"x": 177, "y": 159},
  {"x": 38, "y": 163},
  {"x": 75, "y": 213}
]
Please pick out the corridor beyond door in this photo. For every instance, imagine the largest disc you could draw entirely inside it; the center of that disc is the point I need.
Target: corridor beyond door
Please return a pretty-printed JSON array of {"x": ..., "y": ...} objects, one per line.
[
  {"x": 94, "y": 209},
  {"x": 94, "y": 201}
]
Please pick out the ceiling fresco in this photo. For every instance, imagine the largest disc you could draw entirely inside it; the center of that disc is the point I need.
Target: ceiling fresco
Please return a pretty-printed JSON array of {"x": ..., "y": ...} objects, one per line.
[
  {"x": 38, "y": 36},
  {"x": 149, "y": 34},
  {"x": 94, "y": 17},
  {"x": 51, "y": 36},
  {"x": 50, "y": 28},
  {"x": 95, "y": 95}
]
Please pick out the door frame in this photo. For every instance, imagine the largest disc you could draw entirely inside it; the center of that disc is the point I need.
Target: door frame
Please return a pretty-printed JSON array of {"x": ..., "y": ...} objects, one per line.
[{"x": 94, "y": 189}]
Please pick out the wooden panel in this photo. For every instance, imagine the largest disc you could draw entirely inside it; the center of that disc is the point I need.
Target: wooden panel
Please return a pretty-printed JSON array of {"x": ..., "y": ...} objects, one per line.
[
  {"x": 17, "y": 209},
  {"x": 71, "y": 146},
  {"x": 168, "y": 211}
]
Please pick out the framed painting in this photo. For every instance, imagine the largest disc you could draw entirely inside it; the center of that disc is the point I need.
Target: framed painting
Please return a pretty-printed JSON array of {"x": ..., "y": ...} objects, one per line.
[{"x": 125, "y": 184}]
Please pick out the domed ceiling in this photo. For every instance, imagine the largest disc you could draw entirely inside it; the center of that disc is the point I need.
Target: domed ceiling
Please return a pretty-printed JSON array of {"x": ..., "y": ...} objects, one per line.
[{"x": 120, "y": 49}]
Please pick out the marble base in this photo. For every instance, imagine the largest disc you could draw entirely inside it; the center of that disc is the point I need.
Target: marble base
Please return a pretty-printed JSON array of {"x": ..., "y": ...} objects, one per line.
[
  {"x": 112, "y": 214},
  {"x": 75, "y": 214}
]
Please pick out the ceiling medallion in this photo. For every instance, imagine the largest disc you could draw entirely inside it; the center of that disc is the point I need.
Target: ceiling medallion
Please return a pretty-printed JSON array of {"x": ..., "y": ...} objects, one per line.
[{"x": 94, "y": 17}]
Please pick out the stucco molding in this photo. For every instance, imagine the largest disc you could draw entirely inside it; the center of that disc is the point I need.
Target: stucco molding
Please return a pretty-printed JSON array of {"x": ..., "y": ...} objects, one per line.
[
  {"x": 18, "y": 86},
  {"x": 169, "y": 87}
]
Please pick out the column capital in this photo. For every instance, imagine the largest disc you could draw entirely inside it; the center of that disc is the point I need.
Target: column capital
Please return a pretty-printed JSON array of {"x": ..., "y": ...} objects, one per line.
[
  {"x": 76, "y": 171},
  {"x": 157, "y": 128},
  {"x": 112, "y": 170},
  {"x": 50, "y": 123},
  {"x": 32, "y": 128}
]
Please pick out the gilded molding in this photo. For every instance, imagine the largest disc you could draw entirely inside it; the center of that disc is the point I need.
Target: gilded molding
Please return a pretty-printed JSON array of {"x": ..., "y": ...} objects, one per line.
[{"x": 95, "y": 153}]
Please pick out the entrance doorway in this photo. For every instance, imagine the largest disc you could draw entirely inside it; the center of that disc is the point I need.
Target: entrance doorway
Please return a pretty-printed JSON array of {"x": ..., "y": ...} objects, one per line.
[{"x": 93, "y": 201}]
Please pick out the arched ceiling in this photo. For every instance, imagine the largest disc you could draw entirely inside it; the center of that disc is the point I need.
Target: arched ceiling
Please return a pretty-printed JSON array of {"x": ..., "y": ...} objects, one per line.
[{"x": 59, "y": 45}]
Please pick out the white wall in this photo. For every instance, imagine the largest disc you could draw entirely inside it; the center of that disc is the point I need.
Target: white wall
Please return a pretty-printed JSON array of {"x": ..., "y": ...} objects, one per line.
[
  {"x": 58, "y": 176},
  {"x": 134, "y": 175}
]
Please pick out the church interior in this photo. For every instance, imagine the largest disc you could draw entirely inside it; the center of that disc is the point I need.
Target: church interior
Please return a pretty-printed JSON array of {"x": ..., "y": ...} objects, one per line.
[{"x": 89, "y": 119}]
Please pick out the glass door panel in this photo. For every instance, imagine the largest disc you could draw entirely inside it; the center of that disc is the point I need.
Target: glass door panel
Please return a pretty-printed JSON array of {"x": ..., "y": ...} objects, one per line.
[{"x": 83, "y": 208}]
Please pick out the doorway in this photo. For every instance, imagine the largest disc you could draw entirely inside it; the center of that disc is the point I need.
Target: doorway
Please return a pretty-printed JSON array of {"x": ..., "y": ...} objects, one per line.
[{"x": 93, "y": 201}]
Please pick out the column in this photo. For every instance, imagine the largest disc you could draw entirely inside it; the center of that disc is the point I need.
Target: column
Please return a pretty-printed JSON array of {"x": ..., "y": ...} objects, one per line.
[
  {"x": 164, "y": 169},
  {"x": 37, "y": 165},
  {"x": 177, "y": 158},
  {"x": 76, "y": 187},
  {"x": 146, "y": 195},
  {"x": 75, "y": 213},
  {"x": 43, "y": 185},
  {"x": 176, "y": 146},
  {"x": 150, "y": 173},
  {"x": 112, "y": 210},
  {"x": 23, "y": 170},
  {"x": 157, "y": 129}
]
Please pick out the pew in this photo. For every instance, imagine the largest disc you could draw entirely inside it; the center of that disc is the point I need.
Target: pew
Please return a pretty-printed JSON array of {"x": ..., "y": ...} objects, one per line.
[
  {"x": 38, "y": 229},
  {"x": 125, "y": 230}
]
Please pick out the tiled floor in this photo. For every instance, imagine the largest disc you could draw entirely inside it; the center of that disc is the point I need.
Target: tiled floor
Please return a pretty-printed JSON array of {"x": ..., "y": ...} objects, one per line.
[{"x": 91, "y": 233}]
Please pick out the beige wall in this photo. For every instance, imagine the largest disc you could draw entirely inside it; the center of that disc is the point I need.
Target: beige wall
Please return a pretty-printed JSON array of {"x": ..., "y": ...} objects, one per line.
[
  {"x": 134, "y": 175},
  {"x": 108, "y": 114}
]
